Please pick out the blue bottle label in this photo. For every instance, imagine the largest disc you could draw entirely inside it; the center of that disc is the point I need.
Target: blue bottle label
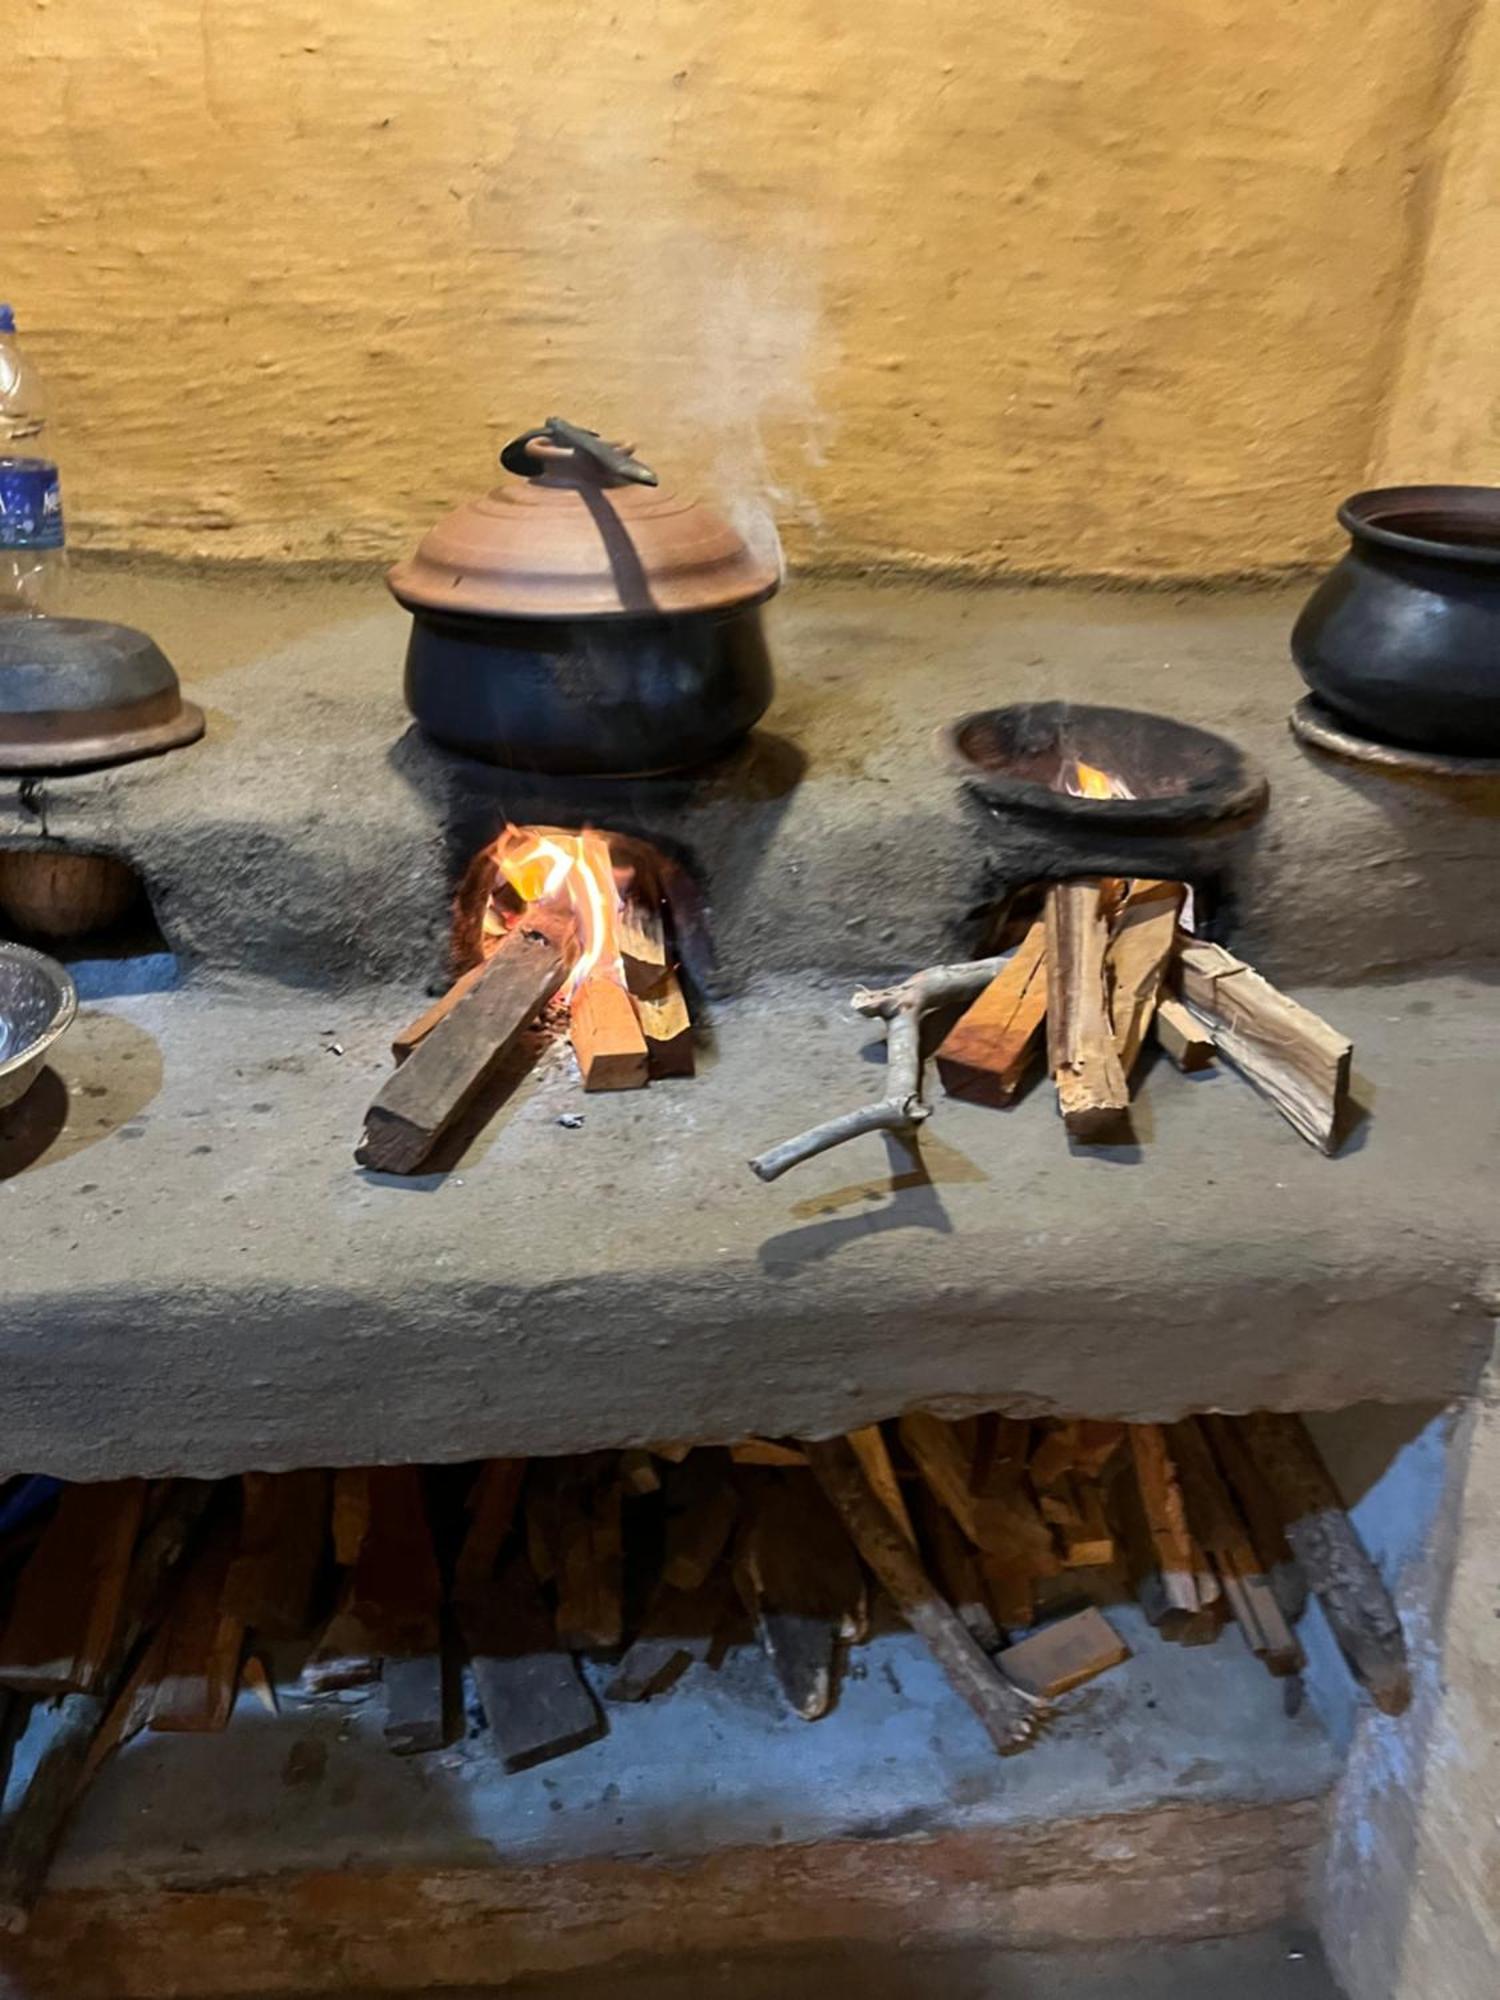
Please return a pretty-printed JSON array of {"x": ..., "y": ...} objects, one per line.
[{"x": 31, "y": 515}]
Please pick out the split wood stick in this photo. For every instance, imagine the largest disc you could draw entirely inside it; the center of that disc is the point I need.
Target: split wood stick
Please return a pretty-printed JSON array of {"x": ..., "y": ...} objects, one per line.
[
  {"x": 1008, "y": 1714},
  {"x": 283, "y": 1549},
  {"x": 1064, "y": 1655},
  {"x": 637, "y": 1473},
  {"x": 416, "y": 1032},
  {"x": 200, "y": 1665},
  {"x": 607, "y": 1038},
  {"x": 71, "y": 1593},
  {"x": 1056, "y": 1453},
  {"x": 954, "y": 1566},
  {"x": 35, "y": 1827},
  {"x": 1358, "y": 1607},
  {"x": 590, "y": 1565},
  {"x": 903, "y": 1108},
  {"x": 680, "y": 1627},
  {"x": 351, "y": 1513},
  {"x": 1076, "y": 1512},
  {"x": 1001, "y": 1449},
  {"x": 535, "y": 1702},
  {"x": 416, "y": 1105},
  {"x": 397, "y": 1588},
  {"x": 130, "y": 1712},
  {"x": 1218, "y": 1529},
  {"x": 493, "y": 1500},
  {"x": 1257, "y": 1505},
  {"x": 641, "y": 933},
  {"x": 1141, "y": 943},
  {"x": 1092, "y": 1093},
  {"x": 667, "y": 1026},
  {"x": 800, "y": 1580},
  {"x": 345, "y": 1655},
  {"x": 869, "y": 1447},
  {"x": 937, "y": 1452},
  {"x": 702, "y": 1508},
  {"x": 987, "y": 1053},
  {"x": 1291, "y": 1056},
  {"x": 766, "y": 1451},
  {"x": 1179, "y": 1562},
  {"x": 1182, "y": 1039}
]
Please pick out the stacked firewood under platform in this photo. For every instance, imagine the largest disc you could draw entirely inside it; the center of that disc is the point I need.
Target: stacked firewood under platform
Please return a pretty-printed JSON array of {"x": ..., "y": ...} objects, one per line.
[
  {"x": 1002, "y": 1543},
  {"x": 1100, "y": 969}
]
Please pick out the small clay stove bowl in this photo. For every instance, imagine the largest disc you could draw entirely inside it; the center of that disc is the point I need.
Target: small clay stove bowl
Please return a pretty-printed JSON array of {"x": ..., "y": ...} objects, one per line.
[
  {"x": 37, "y": 1004},
  {"x": 1022, "y": 757}
]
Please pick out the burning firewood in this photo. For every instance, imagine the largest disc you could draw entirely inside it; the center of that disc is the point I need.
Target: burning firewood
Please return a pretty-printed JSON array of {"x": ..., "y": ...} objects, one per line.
[
  {"x": 903, "y": 1108},
  {"x": 1288, "y": 1053},
  {"x": 444, "y": 1072},
  {"x": 607, "y": 1038},
  {"x": 1092, "y": 1093}
]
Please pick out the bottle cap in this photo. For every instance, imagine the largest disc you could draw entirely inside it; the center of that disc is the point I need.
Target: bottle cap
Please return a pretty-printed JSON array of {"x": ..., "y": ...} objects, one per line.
[{"x": 7, "y": 319}]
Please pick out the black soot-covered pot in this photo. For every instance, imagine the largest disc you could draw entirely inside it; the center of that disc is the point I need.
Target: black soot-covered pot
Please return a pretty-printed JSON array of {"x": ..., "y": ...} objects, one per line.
[{"x": 1402, "y": 638}]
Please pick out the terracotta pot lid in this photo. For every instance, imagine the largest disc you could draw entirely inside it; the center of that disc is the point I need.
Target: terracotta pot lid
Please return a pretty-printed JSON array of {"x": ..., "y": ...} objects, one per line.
[
  {"x": 584, "y": 531},
  {"x": 78, "y": 693}
]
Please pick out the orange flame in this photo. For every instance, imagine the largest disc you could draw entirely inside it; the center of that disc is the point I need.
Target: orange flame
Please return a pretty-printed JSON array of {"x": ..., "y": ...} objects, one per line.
[
  {"x": 544, "y": 865},
  {"x": 1089, "y": 782}
]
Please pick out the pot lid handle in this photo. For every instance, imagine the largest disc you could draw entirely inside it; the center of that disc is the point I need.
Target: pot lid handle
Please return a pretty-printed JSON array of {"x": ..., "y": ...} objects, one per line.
[{"x": 518, "y": 457}]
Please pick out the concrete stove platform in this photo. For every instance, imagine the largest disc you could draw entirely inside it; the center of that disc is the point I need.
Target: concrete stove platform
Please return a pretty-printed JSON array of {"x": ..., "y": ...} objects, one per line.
[
  {"x": 314, "y": 837},
  {"x": 1173, "y": 1797},
  {"x": 198, "y": 1279}
]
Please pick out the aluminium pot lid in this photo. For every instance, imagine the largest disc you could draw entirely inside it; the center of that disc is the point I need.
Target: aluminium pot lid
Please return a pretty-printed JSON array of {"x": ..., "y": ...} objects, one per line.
[
  {"x": 80, "y": 693},
  {"x": 584, "y": 531}
]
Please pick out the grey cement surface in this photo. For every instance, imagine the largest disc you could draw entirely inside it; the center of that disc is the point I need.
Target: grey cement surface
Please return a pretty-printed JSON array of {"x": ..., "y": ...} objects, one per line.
[
  {"x": 198, "y": 1279},
  {"x": 716, "y": 1764},
  {"x": 1274, "y": 1965},
  {"x": 313, "y": 838}
]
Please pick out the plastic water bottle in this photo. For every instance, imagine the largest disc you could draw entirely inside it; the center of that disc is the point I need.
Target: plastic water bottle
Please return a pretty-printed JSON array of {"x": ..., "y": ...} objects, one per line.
[{"x": 32, "y": 556}]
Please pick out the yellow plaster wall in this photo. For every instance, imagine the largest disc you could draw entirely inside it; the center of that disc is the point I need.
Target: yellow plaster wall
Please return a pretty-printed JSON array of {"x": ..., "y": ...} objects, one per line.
[{"x": 1058, "y": 286}]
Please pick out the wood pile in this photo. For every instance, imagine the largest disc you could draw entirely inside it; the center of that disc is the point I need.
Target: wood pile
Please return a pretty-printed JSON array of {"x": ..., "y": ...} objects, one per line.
[
  {"x": 1100, "y": 971},
  {"x": 628, "y": 1019},
  {"x": 566, "y": 1585}
]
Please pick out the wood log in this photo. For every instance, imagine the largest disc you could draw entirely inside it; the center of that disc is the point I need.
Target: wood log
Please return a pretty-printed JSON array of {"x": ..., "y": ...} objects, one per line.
[
  {"x": 937, "y": 1451},
  {"x": 987, "y": 1053},
  {"x": 664, "y": 1021},
  {"x": 200, "y": 1666},
  {"x": 416, "y": 1032},
  {"x": 1064, "y": 1655},
  {"x": 1179, "y": 1563},
  {"x": 1356, "y": 1603},
  {"x": 590, "y": 1558},
  {"x": 800, "y": 1580},
  {"x": 641, "y": 933},
  {"x": 492, "y": 1503},
  {"x": 282, "y": 1551},
  {"x": 535, "y": 1702},
  {"x": 607, "y": 1038},
  {"x": 1008, "y": 1715},
  {"x": 440, "y": 1078},
  {"x": 1292, "y": 1057},
  {"x": 1141, "y": 943},
  {"x": 1092, "y": 1093},
  {"x": 71, "y": 1593},
  {"x": 35, "y": 1826},
  {"x": 1181, "y": 1036},
  {"x": 397, "y": 1590},
  {"x": 130, "y": 1711}
]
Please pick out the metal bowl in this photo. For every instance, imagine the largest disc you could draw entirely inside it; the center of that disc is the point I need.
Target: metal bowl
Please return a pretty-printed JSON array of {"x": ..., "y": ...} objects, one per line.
[{"x": 37, "y": 1004}]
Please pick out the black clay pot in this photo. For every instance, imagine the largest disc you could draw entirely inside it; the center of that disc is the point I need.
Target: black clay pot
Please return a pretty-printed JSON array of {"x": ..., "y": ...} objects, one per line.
[
  {"x": 1402, "y": 638},
  {"x": 620, "y": 697}
]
